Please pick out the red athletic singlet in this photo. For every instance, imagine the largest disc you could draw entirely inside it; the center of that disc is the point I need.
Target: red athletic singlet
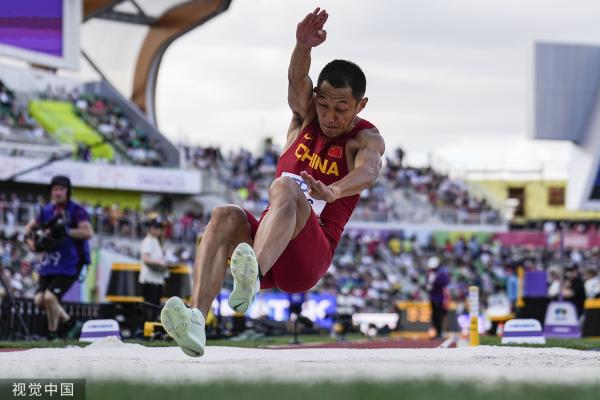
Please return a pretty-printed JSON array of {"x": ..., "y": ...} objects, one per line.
[
  {"x": 308, "y": 256},
  {"x": 324, "y": 159}
]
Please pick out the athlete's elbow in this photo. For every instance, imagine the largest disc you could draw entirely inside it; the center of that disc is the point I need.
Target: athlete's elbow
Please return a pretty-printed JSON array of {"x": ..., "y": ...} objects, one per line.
[{"x": 371, "y": 175}]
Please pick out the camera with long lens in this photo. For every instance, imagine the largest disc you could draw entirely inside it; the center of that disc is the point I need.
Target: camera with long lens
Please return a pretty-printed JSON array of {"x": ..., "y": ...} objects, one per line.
[{"x": 50, "y": 235}]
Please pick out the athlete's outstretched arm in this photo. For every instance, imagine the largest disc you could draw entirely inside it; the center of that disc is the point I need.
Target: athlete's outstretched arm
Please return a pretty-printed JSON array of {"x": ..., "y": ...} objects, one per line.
[
  {"x": 309, "y": 34},
  {"x": 367, "y": 165}
]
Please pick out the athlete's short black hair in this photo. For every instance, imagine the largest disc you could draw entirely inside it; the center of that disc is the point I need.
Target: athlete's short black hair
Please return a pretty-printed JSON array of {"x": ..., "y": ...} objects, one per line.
[{"x": 341, "y": 74}]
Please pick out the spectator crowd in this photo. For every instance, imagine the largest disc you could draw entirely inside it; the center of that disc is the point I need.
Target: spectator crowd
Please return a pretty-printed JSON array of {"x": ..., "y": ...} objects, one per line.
[
  {"x": 448, "y": 197},
  {"x": 124, "y": 222},
  {"x": 380, "y": 270},
  {"x": 15, "y": 122},
  {"x": 18, "y": 266},
  {"x": 102, "y": 114},
  {"x": 111, "y": 122}
]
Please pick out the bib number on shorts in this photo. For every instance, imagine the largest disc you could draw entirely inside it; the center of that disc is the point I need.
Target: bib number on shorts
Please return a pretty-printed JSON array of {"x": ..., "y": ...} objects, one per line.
[{"x": 317, "y": 205}]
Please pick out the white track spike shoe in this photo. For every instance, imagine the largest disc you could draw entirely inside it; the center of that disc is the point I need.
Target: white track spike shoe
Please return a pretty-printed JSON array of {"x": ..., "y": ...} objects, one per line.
[
  {"x": 244, "y": 269},
  {"x": 185, "y": 325}
]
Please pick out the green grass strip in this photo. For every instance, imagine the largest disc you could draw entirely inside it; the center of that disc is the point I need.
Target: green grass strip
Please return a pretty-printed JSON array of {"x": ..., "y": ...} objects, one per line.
[
  {"x": 577, "y": 344},
  {"x": 429, "y": 389},
  {"x": 255, "y": 343}
]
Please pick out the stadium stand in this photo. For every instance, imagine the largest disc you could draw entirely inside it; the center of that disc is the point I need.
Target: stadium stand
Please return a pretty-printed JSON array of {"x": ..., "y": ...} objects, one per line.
[
  {"x": 111, "y": 221},
  {"x": 437, "y": 195},
  {"x": 91, "y": 121},
  {"x": 16, "y": 124},
  {"x": 59, "y": 118},
  {"x": 379, "y": 268},
  {"x": 408, "y": 194},
  {"x": 108, "y": 119},
  {"x": 18, "y": 266}
]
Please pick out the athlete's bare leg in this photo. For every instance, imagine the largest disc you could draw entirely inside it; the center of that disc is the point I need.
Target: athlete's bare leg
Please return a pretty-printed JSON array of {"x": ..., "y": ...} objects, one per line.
[
  {"x": 288, "y": 212},
  {"x": 228, "y": 226}
]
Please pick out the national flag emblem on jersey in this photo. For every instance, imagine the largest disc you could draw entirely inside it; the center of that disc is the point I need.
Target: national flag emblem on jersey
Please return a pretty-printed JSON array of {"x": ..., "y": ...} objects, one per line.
[{"x": 335, "y": 151}]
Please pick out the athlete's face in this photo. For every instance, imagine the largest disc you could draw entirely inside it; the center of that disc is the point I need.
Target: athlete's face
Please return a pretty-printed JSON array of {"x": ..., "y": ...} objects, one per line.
[
  {"x": 336, "y": 108},
  {"x": 59, "y": 194}
]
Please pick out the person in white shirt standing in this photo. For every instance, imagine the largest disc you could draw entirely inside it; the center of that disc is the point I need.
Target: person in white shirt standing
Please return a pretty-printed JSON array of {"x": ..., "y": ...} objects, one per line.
[
  {"x": 592, "y": 283},
  {"x": 154, "y": 269}
]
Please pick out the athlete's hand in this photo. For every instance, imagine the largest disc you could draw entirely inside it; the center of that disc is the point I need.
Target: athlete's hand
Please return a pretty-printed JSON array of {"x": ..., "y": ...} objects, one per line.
[
  {"x": 309, "y": 32},
  {"x": 318, "y": 189}
]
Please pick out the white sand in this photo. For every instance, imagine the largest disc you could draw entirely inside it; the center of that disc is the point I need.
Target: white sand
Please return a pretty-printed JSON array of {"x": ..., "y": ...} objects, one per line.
[{"x": 113, "y": 359}]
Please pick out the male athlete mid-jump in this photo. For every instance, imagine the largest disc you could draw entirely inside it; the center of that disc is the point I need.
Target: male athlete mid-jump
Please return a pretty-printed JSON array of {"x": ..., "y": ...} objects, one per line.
[{"x": 331, "y": 155}]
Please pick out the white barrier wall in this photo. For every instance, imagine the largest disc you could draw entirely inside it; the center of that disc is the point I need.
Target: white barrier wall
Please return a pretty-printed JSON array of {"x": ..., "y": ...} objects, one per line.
[{"x": 143, "y": 179}]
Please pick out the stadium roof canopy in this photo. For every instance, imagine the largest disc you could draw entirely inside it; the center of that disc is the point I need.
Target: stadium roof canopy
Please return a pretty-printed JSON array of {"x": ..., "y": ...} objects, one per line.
[{"x": 125, "y": 40}]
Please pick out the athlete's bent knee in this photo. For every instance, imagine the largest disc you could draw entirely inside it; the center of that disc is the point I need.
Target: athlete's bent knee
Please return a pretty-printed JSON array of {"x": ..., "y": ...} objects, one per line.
[
  {"x": 284, "y": 191},
  {"x": 228, "y": 216},
  {"x": 228, "y": 220}
]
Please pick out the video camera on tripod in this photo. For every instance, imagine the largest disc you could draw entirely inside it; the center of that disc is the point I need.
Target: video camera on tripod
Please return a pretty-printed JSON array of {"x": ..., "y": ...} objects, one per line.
[{"x": 50, "y": 234}]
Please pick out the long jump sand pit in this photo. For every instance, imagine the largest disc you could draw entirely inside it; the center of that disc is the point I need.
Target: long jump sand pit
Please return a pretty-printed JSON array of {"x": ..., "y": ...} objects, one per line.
[{"x": 111, "y": 359}]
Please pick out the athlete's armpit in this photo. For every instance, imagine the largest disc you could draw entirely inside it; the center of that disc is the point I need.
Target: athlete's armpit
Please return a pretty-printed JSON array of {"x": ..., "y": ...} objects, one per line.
[{"x": 297, "y": 125}]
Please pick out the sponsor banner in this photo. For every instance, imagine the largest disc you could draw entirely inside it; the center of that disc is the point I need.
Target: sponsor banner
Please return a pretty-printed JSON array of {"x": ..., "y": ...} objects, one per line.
[
  {"x": 522, "y": 238},
  {"x": 577, "y": 240},
  {"x": 97, "y": 329},
  {"x": 319, "y": 308},
  {"x": 561, "y": 320},
  {"x": 442, "y": 236},
  {"x": 143, "y": 179},
  {"x": 535, "y": 284},
  {"x": 365, "y": 320},
  {"x": 523, "y": 331},
  {"x": 552, "y": 240}
]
